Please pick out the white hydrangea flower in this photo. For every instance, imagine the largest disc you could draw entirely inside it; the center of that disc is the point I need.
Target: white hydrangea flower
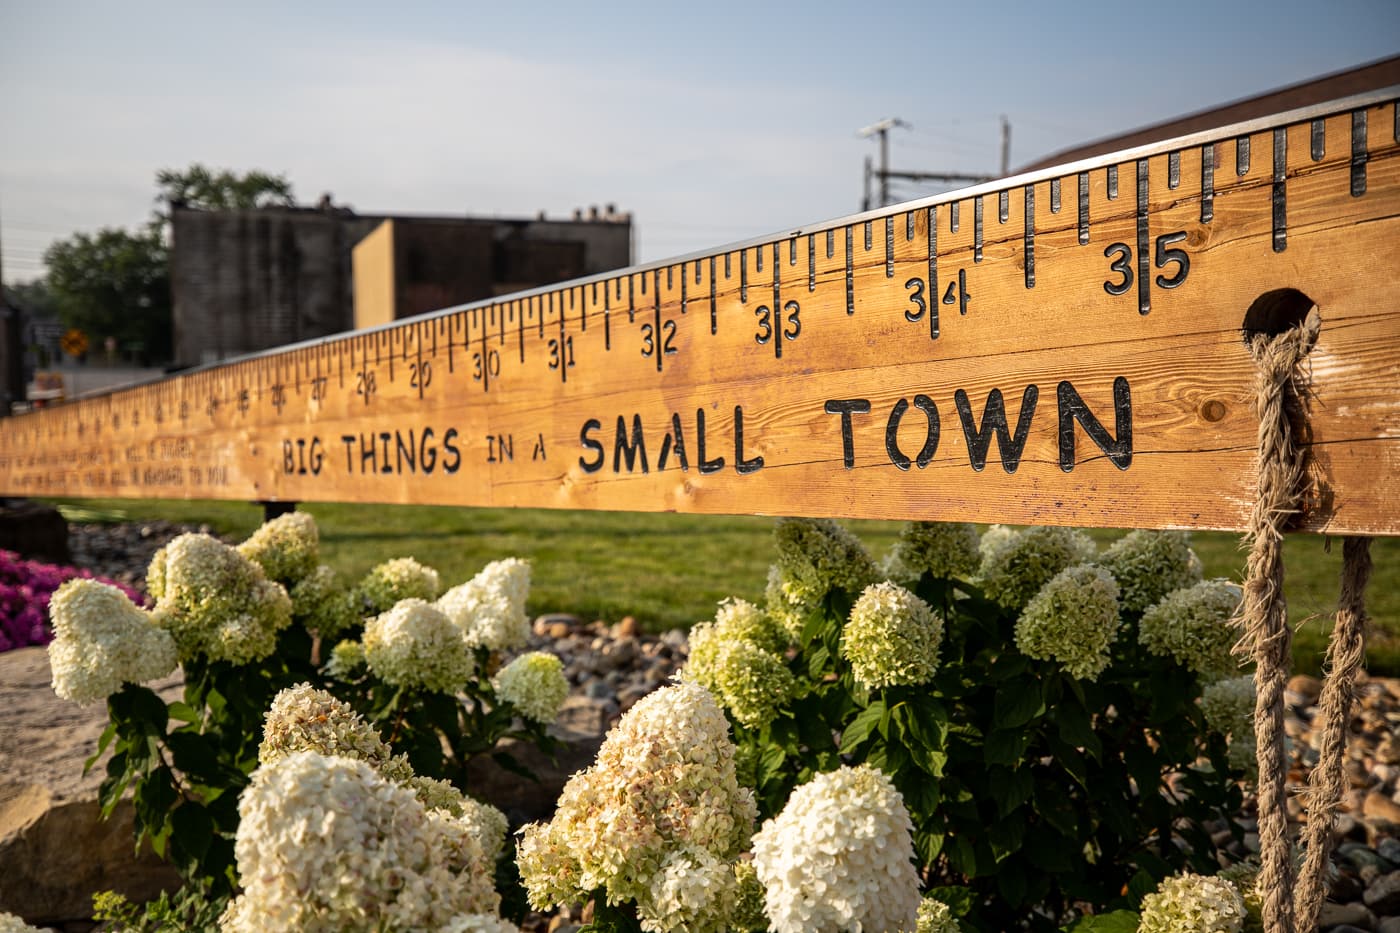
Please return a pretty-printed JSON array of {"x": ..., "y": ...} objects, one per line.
[
  {"x": 215, "y": 602},
  {"x": 9, "y": 923},
  {"x": 490, "y": 607},
  {"x": 548, "y": 867},
  {"x": 663, "y": 780},
  {"x": 286, "y": 548},
  {"x": 839, "y": 857},
  {"x": 487, "y": 823},
  {"x": 534, "y": 683},
  {"x": 1016, "y": 564},
  {"x": 1228, "y": 706},
  {"x": 892, "y": 637},
  {"x": 347, "y": 658},
  {"x": 936, "y": 917},
  {"x": 302, "y": 718},
  {"x": 479, "y": 923},
  {"x": 1189, "y": 903},
  {"x": 750, "y": 682},
  {"x": 321, "y": 605},
  {"x": 1148, "y": 565},
  {"x": 326, "y": 844},
  {"x": 415, "y": 645},
  {"x": 943, "y": 549},
  {"x": 101, "y": 641},
  {"x": 741, "y": 620},
  {"x": 693, "y": 892},
  {"x": 1072, "y": 620},
  {"x": 1194, "y": 626},
  {"x": 816, "y": 555},
  {"x": 396, "y": 580},
  {"x": 786, "y": 603}
]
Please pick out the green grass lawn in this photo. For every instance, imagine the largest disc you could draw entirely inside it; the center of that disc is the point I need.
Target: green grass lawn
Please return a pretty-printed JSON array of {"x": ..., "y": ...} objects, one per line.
[{"x": 670, "y": 570}]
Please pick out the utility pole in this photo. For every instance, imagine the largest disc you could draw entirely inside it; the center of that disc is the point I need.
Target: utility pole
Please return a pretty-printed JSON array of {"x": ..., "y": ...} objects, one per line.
[
  {"x": 1005, "y": 146},
  {"x": 882, "y": 129},
  {"x": 885, "y": 173},
  {"x": 11, "y": 355}
]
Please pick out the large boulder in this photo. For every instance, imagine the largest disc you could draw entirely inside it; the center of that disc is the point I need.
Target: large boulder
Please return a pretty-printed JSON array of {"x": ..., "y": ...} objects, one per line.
[
  {"x": 34, "y": 530},
  {"x": 55, "y": 849}
]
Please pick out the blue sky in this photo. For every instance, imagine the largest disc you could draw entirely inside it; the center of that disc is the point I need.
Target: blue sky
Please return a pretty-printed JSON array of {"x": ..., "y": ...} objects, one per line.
[{"x": 710, "y": 122}]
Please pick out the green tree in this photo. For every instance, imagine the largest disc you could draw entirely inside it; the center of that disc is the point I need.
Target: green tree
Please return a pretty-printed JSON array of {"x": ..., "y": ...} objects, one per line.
[
  {"x": 115, "y": 283},
  {"x": 223, "y": 190}
]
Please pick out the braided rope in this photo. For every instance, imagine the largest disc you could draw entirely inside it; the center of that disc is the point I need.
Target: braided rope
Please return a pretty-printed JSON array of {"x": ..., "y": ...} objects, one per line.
[
  {"x": 1345, "y": 652},
  {"x": 1280, "y": 389}
]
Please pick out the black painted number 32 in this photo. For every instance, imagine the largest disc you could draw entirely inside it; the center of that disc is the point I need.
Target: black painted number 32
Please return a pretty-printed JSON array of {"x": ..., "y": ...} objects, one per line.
[{"x": 1164, "y": 254}]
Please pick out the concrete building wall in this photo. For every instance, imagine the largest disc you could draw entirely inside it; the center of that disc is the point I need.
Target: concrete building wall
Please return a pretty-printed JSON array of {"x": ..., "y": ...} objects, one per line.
[
  {"x": 250, "y": 280},
  {"x": 243, "y": 281}
]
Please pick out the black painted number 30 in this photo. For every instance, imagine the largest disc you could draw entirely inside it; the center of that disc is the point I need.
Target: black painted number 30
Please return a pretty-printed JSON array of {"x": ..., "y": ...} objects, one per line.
[{"x": 1164, "y": 254}]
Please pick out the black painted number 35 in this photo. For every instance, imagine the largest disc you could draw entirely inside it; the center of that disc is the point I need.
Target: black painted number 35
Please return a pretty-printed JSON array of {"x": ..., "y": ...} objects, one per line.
[{"x": 1164, "y": 254}]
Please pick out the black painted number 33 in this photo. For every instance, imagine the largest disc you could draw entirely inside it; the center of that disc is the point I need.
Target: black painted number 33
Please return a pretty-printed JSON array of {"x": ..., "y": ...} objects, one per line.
[{"x": 1164, "y": 254}]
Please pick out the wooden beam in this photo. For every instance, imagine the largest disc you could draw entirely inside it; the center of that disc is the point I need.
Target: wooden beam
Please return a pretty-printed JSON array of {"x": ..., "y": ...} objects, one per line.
[{"x": 1063, "y": 347}]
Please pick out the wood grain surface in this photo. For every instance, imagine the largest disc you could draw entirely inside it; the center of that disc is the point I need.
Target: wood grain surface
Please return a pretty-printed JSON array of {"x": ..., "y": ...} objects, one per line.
[{"x": 1074, "y": 356}]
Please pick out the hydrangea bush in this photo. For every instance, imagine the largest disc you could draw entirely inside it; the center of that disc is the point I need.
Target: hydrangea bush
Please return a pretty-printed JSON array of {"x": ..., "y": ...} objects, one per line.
[
  {"x": 1029, "y": 697},
  {"x": 372, "y": 691}
]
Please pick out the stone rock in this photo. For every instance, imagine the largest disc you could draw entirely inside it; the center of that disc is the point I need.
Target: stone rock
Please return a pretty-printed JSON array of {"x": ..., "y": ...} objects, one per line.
[
  {"x": 1361, "y": 856},
  {"x": 1389, "y": 849},
  {"x": 1380, "y": 807},
  {"x": 1383, "y": 895},
  {"x": 627, "y": 628},
  {"x": 1310, "y": 688},
  {"x": 521, "y": 799},
  {"x": 34, "y": 531},
  {"x": 1389, "y": 925},
  {"x": 56, "y": 848},
  {"x": 1356, "y": 915}
]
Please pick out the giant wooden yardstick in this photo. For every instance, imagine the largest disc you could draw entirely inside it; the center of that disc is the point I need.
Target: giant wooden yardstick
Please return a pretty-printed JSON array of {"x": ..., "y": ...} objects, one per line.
[{"x": 1060, "y": 347}]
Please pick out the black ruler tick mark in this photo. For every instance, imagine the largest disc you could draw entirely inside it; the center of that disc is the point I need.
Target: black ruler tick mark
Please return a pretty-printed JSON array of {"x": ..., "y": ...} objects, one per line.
[
  {"x": 1278, "y": 195},
  {"x": 1358, "y": 153},
  {"x": 977, "y": 229},
  {"x": 1207, "y": 183},
  {"x": 1030, "y": 236},
  {"x": 1143, "y": 259},
  {"x": 1083, "y": 208}
]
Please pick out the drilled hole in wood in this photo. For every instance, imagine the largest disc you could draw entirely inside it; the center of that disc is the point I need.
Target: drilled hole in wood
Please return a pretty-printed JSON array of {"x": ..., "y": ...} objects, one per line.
[{"x": 1275, "y": 312}]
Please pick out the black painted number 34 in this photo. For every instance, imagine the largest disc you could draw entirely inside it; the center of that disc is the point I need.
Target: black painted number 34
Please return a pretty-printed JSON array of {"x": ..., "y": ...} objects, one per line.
[{"x": 1164, "y": 254}]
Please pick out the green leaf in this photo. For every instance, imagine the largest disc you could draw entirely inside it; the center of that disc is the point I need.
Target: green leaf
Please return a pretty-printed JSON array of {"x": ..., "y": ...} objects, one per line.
[
  {"x": 1076, "y": 728},
  {"x": 1011, "y": 882},
  {"x": 861, "y": 727},
  {"x": 1009, "y": 788},
  {"x": 1017, "y": 704},
  {"x": 1049, "y": 852},
  {"x": 108, "y": 734},
  {"x": 1005, "y": 838},
  {"x": 191, "y": 831},
  {"x": 1055, "y": 807},
  {"x": 155, "y": 795},
  {"x": 183, "y": 712},
  {"x": 958, "y": 899},
  {"x": 194, "y": 755},
  {"x": 146, "y": 709},
  {"x": 1118, "y": 921},
  {"x": 1006, "y": 746},
  {"x": 770, "y": 762}
]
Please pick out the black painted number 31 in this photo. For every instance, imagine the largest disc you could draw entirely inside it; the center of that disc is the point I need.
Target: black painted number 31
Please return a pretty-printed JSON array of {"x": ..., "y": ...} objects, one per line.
[{"x": 1164, "y": 254}]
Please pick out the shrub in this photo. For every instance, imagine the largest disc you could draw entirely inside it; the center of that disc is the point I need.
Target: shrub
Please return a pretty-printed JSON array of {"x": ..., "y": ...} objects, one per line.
[
  {"x": 1047, "y": 759},
  {"x": 404, "y": 694}
]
